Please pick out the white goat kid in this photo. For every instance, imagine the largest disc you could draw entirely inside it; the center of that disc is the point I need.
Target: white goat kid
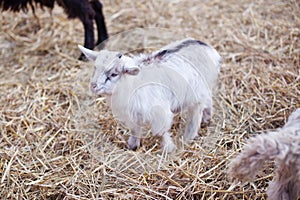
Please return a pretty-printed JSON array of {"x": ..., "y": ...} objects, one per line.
[{"x": 150, "y": 89}]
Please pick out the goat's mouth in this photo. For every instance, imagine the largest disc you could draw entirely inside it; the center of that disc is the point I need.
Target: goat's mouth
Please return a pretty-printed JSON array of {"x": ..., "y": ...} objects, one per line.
[
  {"x": 100, "y": 91},
  {"x": 97, "y": 91}
]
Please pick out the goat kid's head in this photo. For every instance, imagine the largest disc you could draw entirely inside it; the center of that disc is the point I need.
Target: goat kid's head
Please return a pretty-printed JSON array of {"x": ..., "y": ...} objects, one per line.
[{"x": 110, "y": 66}]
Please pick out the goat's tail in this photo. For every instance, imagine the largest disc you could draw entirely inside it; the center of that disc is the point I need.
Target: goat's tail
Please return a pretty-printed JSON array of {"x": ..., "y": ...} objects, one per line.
[
  {"x": 257, "y": 150},
  {"x": 214, "y": 56}
]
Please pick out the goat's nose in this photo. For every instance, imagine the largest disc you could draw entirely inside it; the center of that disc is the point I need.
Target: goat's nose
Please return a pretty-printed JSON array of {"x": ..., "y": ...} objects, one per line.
[{"x": 93, "y": 85}]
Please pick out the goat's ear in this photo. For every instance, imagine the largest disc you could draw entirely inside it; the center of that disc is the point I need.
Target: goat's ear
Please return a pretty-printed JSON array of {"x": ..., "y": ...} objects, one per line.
[
  {"x": 91, "y": 55},
  {"x": 132, "y": 70}
]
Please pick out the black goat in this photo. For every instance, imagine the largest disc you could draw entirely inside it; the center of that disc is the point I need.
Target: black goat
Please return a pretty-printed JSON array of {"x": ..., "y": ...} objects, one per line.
[{"x": 85, "y": 10}]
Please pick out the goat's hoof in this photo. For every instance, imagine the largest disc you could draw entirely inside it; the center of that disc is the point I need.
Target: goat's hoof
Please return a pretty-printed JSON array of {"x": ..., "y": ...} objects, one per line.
[
  {"x": 207, "y": 113},
  {"x": 132, "y": 147},
  {"x": 189, "y": 137},
  {"x": 169, "y": 147},
  {"x": 205, "y": 124},
  {"x": 205, "y": 120},
  {"x": 133, "y": 143},
  {"x": 82, "y": 57}
]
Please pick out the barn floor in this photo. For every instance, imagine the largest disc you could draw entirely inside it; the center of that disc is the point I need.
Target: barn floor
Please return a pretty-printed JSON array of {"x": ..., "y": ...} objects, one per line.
[{"x": 59, "y": 141}]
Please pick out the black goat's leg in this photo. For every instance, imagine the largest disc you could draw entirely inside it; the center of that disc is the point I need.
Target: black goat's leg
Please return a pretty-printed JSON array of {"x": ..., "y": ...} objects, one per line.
[
  {"x": 100, "y": 21},
  {"x": 88, "y": 36},
  {"x": 83, "y": 10}
]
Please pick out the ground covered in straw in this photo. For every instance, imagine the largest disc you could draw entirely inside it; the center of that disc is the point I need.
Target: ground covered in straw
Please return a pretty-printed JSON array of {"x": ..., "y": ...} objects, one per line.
[{"x": 58, "y": 141}]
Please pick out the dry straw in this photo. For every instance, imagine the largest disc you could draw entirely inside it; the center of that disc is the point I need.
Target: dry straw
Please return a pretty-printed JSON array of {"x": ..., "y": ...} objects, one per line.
[{"x": 57, "y": 141}]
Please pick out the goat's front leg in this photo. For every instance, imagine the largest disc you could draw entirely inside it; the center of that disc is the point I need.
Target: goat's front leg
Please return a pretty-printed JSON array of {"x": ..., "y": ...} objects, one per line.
[
  {"x": 160, "y": 125},
  {"x": 193, "y": 122},
  {"x": 88, "y": 34},
  {"x": 85, "y": 12},
  {"x": 167, "y": 143},
  {"x": 87, "y": 17},
  {"x": 100, "y": 21},
  {"x": 134, "y": 140}
]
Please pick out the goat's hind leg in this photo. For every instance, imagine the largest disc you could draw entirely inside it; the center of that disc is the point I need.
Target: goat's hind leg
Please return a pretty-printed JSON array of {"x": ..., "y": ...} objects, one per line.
[{"x": 195, "y": 114}]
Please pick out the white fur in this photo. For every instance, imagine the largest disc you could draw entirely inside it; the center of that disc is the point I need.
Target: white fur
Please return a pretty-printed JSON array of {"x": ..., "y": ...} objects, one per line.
[{"x": 149, "y": 90}]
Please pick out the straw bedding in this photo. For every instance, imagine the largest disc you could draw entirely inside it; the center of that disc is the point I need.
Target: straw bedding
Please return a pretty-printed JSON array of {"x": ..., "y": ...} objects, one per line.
[{"x": 58, "y": 141}]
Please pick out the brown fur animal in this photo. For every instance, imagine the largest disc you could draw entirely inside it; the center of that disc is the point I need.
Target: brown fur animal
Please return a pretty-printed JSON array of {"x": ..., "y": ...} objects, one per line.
[{"x": 283, "y": 146}]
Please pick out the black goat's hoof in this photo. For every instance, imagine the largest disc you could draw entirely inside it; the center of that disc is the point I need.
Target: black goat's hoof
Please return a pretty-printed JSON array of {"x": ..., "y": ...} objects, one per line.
[{"x": 82, "y": 57}]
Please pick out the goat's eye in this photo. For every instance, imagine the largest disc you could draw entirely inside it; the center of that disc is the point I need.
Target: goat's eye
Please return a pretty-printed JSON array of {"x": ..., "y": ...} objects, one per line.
[{"x": 114, "y": 75}]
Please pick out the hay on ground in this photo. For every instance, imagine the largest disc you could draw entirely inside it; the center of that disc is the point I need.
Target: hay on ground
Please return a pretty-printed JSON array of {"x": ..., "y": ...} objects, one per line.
[{"x": 58, "y": 141}]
